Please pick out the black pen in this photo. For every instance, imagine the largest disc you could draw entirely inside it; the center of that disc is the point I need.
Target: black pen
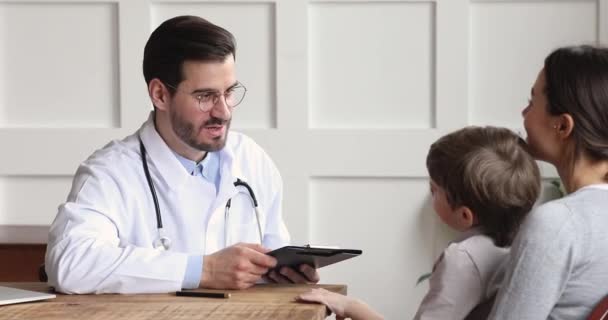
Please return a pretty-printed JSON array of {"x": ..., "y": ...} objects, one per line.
[{"x": 200, "y": 294}]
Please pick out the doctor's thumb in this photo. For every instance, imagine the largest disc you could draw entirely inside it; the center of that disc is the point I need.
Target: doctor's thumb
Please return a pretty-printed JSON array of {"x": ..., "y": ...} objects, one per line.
[{"x": 255, "y": 246}]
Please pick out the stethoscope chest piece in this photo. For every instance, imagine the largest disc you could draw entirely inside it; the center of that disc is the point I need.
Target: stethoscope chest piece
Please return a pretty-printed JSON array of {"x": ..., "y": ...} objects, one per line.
[{"x": 162, "y": 243}]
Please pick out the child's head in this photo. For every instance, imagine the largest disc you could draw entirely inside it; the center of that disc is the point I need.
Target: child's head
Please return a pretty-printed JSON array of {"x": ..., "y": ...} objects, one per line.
[{"x": 483, "y": 176}]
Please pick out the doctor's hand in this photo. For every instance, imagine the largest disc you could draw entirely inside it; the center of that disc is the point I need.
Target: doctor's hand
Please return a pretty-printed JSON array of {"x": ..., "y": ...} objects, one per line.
[
  {"x": 305, "y": 275},
  {"x": 236, "y": 267}
]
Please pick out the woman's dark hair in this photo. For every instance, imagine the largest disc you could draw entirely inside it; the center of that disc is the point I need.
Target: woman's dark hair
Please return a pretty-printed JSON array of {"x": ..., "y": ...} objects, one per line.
[
  {"x": 182, "y": 39},
  {"x": 577, "y": 84}
]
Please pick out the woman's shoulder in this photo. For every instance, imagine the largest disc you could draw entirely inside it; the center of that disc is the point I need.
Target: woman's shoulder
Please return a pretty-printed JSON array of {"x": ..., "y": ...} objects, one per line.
[
  {"x": 553, "y": 209},
  {"x": 571, "y": 205},
  {"x": 564, "y": 215},
  {"x": 547, "y": 220}
]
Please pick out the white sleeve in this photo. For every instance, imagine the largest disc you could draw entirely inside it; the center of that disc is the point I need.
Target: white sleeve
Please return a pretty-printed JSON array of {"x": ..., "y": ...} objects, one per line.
[
  {"x": 84, "y": 253},
  {"x": 541, "y": 261},
  {"x": 455, "y": 287}
]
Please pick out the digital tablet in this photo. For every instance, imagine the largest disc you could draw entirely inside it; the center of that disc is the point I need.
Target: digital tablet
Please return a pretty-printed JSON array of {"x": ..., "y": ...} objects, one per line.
[{"x": 317, "y": 257}]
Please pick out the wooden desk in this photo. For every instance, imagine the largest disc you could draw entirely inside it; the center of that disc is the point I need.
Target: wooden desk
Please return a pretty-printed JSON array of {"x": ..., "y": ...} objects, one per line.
[{"x": 268, "y": 301}]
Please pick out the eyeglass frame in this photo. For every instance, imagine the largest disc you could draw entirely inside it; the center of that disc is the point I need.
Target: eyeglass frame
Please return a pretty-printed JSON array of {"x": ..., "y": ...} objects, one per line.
[{"x": 216, "y": 96}]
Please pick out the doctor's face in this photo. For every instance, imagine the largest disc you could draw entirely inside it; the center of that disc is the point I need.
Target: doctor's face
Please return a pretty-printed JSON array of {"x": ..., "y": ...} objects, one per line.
[{"x": 199, "y": 128}]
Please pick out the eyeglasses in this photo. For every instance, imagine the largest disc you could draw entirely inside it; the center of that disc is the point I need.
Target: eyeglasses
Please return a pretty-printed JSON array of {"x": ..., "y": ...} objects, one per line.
[{"x": 208, "y": 99}]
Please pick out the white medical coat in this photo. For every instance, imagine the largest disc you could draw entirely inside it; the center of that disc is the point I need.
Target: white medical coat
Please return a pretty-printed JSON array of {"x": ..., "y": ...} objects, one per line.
[{"x": 102, "y": 238}]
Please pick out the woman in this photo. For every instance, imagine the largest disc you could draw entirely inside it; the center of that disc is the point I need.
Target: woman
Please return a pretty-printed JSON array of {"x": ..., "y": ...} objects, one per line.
[{"x": 558, "y": 266}]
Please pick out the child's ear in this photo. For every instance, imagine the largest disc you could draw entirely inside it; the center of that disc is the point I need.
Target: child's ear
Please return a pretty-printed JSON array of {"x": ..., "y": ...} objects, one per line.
[{"x": 466, "y": 218}]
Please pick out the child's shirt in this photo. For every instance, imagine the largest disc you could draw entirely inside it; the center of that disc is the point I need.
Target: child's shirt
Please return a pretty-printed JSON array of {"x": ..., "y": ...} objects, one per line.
[{"x": 464, "y": 276}]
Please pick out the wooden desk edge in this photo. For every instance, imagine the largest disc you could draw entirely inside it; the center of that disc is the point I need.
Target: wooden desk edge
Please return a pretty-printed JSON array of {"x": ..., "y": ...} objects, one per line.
[{"x": 44, "y": 287}]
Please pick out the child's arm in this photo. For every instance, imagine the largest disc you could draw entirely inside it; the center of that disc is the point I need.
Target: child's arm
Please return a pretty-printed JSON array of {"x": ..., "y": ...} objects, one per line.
[{"x": 343, "y": 306}]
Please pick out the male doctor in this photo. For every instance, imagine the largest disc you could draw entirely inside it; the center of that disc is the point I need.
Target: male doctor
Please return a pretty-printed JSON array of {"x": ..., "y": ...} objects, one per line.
[{"x": 119, "y": 232}]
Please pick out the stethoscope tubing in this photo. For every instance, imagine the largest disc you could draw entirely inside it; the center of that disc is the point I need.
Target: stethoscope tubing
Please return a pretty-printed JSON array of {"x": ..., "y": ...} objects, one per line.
[
  {"x": 164, "y": 242},
  {"x": 159, "y": 220}
]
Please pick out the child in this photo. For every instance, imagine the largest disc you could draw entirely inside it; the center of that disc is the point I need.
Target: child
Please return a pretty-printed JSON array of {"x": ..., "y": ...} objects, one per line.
[{"x": 483, "y": 183}]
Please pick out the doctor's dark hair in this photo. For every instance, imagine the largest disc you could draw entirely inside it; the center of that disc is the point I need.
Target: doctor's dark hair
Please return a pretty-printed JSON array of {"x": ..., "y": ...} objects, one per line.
[
  {"x": 490, "y": 171},
  {"x": 577, "y": 84},
  {"x": 180, "y": 39}
]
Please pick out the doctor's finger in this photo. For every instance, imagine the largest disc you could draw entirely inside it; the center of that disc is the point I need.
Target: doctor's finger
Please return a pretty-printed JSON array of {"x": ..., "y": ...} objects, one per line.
[
  {"x": 261, "y": 259},
  {"x": 257, "y": 270},
  {"x": 293, "y": 275},
  {"x": 246, "y": 280},
  {"x": 311, "y": 273},
  {"x": 277, "y": 278},
  {"x": 255, "y": 246},
  {"x": 267, "y": 278}
]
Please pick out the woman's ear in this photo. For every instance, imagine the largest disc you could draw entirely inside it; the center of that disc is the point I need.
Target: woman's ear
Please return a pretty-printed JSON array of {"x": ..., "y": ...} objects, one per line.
[
  {"x": 465, "y": 218},
  {"x": 565, "y": 126},
  {"x": 159, "y": 94}
]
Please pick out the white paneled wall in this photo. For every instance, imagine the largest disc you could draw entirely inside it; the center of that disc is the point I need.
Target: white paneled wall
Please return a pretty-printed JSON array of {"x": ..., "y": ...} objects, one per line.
[
  {"x": 373, "y": 69},
  {"x": 46, "y": 62},
  {"x": 346, "y": 96},
  {"x": 27, "y": 199},
  {"x": 509, "y": 41}
]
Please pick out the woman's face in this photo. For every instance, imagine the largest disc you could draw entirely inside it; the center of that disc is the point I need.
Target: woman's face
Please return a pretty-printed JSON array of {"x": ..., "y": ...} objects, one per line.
[{"x": 541, "y": 127}]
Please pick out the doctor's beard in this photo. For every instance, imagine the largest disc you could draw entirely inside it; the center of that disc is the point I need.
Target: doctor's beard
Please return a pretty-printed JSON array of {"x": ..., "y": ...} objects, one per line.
[{"x": 186, "y": 132}]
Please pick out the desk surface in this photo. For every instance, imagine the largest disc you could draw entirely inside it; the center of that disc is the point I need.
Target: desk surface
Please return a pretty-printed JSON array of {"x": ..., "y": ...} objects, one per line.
[{"x": 268, "y": 301}]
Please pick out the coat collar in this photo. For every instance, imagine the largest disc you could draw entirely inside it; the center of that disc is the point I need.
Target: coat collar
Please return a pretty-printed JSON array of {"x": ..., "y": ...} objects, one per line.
[{"x": 172, "y": 174}]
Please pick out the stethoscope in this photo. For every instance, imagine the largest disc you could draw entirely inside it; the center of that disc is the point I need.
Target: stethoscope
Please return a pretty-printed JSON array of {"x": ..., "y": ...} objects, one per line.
[{"x": 163, "y": 242}]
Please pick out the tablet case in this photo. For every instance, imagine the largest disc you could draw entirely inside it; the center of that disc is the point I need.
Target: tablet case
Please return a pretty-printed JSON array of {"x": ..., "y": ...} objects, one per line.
[{"x": 294, "y": 256}]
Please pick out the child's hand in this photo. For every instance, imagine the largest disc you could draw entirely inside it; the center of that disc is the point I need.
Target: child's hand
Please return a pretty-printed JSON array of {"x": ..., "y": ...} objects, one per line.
[{"x": 337, "y": 303}]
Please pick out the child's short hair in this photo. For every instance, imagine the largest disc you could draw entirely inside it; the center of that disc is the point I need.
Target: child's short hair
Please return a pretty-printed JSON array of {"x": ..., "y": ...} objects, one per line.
[{"x": 490, "y": 171}]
